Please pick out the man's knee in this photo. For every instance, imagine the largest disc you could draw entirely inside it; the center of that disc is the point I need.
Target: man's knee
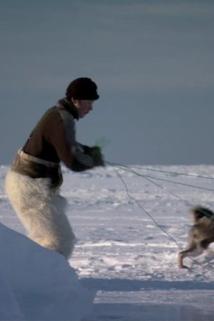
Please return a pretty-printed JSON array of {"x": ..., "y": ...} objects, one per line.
[{"x": 61, "y": 244}]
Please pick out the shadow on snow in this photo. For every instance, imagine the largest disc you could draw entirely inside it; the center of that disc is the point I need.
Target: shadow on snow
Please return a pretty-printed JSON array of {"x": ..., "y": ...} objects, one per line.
[{"x": 148, "y": 311}]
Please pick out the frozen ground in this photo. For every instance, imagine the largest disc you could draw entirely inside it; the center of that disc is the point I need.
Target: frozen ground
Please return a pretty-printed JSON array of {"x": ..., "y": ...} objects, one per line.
[{"x": 130, "y": 223}]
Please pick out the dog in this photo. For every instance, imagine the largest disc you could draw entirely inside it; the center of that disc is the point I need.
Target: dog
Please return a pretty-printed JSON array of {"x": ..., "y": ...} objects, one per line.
[{"x": 201, "y": 234}]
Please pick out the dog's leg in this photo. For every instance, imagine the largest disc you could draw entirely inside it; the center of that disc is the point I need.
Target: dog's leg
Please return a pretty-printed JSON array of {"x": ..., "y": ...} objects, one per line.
[
  {"x": 194, "y": 249},
  {"x": 182, "y": 255}
]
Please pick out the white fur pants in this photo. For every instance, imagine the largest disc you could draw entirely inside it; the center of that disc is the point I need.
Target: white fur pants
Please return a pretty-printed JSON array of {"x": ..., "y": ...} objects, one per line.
[{"x": 42, "y": 212}]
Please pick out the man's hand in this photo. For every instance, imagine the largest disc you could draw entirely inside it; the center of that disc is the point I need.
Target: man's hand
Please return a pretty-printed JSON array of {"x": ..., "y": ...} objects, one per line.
[{"x": 96, "y": 154}]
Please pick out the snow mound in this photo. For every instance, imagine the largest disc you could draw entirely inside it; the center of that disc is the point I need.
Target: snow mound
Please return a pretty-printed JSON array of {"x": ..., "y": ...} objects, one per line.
[{"x": 38, "y": 284}]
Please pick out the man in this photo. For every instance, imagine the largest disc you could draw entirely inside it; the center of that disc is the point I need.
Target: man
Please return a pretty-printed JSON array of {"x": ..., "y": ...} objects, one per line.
[{"x": 33, "y": 181}]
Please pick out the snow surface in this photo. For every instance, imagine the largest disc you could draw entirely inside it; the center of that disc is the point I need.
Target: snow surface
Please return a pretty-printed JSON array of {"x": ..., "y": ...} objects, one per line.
[{"x": 130, "y": 223}]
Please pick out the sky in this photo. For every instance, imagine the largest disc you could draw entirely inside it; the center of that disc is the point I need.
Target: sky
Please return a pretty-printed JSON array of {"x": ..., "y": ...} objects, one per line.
[{"x": 152, "y": 62}]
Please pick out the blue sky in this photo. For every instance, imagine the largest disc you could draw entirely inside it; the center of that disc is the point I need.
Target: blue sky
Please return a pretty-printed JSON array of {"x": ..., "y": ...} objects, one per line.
[{"x": 152, "y": 61}]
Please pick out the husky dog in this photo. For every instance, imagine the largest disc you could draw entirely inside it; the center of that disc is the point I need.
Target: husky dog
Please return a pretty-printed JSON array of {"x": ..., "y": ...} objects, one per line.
[{"x": 201, "y": 234}]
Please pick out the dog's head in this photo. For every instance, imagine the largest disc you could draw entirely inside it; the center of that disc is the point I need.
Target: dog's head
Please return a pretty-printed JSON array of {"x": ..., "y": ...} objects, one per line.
[{"x": 200, "y": 212}]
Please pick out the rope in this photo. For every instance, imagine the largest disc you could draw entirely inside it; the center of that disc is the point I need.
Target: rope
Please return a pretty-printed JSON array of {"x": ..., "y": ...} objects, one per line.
[
  {"x": 143, "y": 208},
  {"x": 148, "y": 178},
  {"x": 178, "y": 173},
  {"x": 161, "y": 179}
]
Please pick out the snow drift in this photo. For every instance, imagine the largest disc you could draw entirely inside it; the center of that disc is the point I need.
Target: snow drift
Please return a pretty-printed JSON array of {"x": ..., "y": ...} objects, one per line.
[{"x": 37, "y": 284}]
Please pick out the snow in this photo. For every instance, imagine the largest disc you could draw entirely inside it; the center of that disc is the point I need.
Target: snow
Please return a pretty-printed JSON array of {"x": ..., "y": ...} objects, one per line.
[
  {"x": 130, "y": 223},
  {"x": 37, "y": 283}
]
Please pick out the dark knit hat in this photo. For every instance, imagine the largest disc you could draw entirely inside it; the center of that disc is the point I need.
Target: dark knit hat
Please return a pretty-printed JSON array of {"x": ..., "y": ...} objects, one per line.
[{"x": 82, "y": 88}]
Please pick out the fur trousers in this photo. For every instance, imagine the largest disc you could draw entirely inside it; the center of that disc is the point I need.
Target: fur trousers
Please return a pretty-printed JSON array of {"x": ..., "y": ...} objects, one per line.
[{"x": 41, "y": 210}]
